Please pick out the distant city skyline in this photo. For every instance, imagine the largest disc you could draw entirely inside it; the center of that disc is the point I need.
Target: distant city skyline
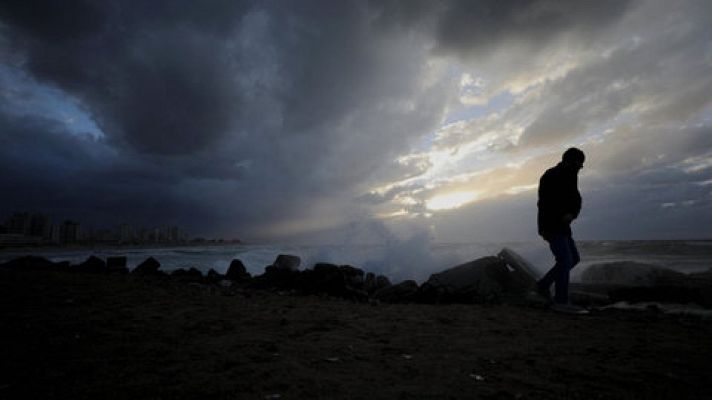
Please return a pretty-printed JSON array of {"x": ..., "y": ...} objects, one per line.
[
  {"x": 39, "y": 228},
  {"x": 358, "y": 121}
]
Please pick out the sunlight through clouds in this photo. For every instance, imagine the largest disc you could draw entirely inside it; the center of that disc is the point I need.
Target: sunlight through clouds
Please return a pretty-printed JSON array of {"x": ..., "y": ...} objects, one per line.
[{"x": 451, "y": 200}]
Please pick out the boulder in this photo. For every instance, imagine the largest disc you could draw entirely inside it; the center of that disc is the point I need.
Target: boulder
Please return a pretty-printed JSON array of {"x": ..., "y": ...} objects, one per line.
[
  {"x": 276, "y": 278},
  {"x": 92, "y": 264},
  {"x": 287, "y": 262},
  {"x": 214, "y": 276},
  {"x": 382, "y": 282},
  {"x": 404, "y": 292},
  {"x": 483, "y": 280},
  {"x": 237, "y": 271},
  {"x": 333, "y": 280},
  {"x": 322, "y": 278},
  {"x": 629, "y": 273},
  {"x": 523, "y": 275},
  {"x": 372, "y": 283},
  {"x": 117, "y": 264},
  {"x": 190, "y": 275},
  {"x": 29, "y": 263},
  {"x": 353, "y": 276},
  {"x": 148, "y": 267},
  {"x": 369, "y": 282}
]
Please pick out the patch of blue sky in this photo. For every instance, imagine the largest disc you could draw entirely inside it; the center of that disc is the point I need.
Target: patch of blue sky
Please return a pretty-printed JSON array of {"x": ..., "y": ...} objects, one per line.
[
  {"x": 468, "y": 112},
  {"x": 23, "y": 96}
]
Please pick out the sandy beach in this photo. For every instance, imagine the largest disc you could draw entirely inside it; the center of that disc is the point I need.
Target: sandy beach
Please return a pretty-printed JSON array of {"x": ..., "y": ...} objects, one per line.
[{"x": 75, "y": 335}]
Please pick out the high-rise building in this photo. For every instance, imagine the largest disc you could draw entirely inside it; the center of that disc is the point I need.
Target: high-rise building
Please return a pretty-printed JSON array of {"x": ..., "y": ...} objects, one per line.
[
  {"x": 125, "y": 233},
  {"x": 54, "y": 233},
  {"x": 70, "y": 232},
  {"x": 40, "y": 226},
  {"x": 19, "y": 224}
]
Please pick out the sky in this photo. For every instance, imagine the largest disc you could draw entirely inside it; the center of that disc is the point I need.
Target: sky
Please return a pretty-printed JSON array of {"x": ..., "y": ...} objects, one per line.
[{"x": 355, "y": 121}]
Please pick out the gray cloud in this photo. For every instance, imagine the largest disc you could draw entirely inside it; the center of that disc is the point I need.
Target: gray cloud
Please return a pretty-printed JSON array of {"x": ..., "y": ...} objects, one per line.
[
  {"x": 155, "y": 77},
  {"x": 235, "y": 117}
]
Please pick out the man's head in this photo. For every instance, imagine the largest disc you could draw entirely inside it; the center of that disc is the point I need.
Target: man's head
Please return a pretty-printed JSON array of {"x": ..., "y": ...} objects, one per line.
[{"x": 573, "y": 158}]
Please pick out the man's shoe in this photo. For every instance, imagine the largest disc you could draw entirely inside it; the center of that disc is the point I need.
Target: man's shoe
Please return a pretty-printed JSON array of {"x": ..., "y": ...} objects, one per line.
[{"x": 568, "y": 308}]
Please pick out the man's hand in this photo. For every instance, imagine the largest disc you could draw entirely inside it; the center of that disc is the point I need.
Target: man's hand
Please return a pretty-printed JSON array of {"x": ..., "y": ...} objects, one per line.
[{"x": 567, "y": 218}]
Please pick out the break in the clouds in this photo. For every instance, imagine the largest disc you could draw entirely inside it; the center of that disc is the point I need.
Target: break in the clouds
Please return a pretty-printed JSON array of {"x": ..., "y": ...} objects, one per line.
[{"x": 271, "y": 120}]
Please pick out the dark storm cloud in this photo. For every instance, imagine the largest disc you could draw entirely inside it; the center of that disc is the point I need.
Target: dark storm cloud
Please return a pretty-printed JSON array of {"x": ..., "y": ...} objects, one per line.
[
  {"x": 45, "y": 168},
  {"x": 156, "y": 76},
  {"x": 257, "y": 112},
  {"x": 237, "y": 116},
  {"x": 473, "y": 28}
]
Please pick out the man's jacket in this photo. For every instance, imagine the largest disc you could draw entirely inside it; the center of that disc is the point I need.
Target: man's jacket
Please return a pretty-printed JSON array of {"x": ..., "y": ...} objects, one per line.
[{"x": 558, "y": 196}]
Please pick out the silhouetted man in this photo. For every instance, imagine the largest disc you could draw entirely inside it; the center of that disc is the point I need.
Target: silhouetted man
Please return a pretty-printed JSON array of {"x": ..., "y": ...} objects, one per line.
[{"x": 559, "y": 204}]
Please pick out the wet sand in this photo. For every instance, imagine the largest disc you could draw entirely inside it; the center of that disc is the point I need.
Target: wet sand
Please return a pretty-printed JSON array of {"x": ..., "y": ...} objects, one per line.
[{"x": 72, "y": 335}]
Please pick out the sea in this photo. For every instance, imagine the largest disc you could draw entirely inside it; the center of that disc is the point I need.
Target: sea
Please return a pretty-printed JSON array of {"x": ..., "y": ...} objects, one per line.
[{"x": 410, "y": 259}]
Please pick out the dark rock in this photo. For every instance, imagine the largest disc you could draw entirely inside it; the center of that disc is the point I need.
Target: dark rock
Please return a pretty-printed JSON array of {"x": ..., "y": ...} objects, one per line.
[
  {"x": 92, "y": 265},
  {"x": 190, "y": 275},
  {"x": 480, "y": 281},
  {"x": 283, "y": 274},
  {"x": 148, "y": 267},
  {"x": 62, "y": 265},
  {"x": 629, "y": 273},
  {"x": 369, "y": 283},
  {"x": 332, "y": 280},
  {"x": 276, "y": 278},
  {"x": 237, "y": 272},
  {"x": 373, "y": 283},
  {"x": 353, "y": 276},
  {"x": 523, "y": 275},
  {"x": 663, "y": 293},
  {"x": 30, "y": 263},
  {"x": 382, "y": 282},
  {"x": 214, "y": 276},
  {"x": 404, "y": 292},
  {"x": 117, "y": 264},
  {"x": 287, "y": 262},
  {"x": 322, "y": 278}
]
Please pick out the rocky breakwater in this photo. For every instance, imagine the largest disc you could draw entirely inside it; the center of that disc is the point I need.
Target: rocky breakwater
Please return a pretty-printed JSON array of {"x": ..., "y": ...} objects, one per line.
[
  {"x": 485, "y": 280},
  {"x": 638, "y": 282},
  {"x": 504, "y": 278}
]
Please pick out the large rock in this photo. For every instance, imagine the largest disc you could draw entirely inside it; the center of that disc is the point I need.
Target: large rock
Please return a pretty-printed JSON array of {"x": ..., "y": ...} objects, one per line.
[
  {"x": 92, "y": 264},
  {"x": 523, "y": 274},
  {"x": 353, "y": 276},
  {"x": 117, "y": 264},
  {"x": 30, "y": 263},
  {"x": 190, "y": 275},
  {"x": 148, "y": 267},
  {"x": 275, "y": 278},
  {"x": 483, "y": 280},
  {"x": 666, "y": 287},
  {"x": 372, "y": 283},
  {"x": 369, "y": 283},
  {"x": 339, "y": 281},
  {"x": 382, "y": 282},
  {"x": 287, "y": 262},
  {"x": 237, "y": 272},
  {"x": 282, "y": 274},
  {"x": 629, "y": 273},
  {"x": 404, "y": 292},
  {"x": 214, "y": 276}
]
